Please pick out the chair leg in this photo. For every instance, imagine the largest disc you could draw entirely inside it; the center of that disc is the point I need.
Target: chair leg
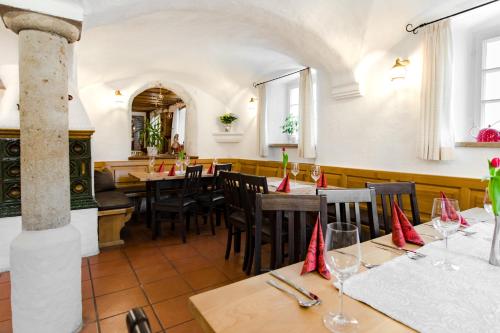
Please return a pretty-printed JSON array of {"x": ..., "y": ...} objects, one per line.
[
  {"x": 246, "y": 258},
  {"x": 184, "y": 222},
  {"x": 237, "y": 241},
  {"x": 153, "y": 223},
  {"x": 229, "y": 240},
  {"x": 251, "y": 250},
  {"x": 211, "y": 217}
]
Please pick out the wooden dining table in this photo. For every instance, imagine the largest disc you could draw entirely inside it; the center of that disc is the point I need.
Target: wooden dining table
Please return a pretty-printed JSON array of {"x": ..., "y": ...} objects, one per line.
[{"x": 251, "y": 305}]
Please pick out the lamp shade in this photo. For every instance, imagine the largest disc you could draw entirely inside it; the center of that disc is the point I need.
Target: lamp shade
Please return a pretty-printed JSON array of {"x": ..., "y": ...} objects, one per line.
[{"x": 398, "y": 71}]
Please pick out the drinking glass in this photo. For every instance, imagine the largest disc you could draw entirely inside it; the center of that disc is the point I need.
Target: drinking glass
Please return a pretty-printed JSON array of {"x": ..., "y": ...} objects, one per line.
[
  {"x": 446, "y": 220},
  {"x": 342, "y": 265},
  {"x": 178, "y": 163},
  {"x": 151, "y": 164},
  {"x": 487, "y": 202},
  {"x": 295, "y": 171},
  {"x": 186, "y": 160},
  {"x": 215, "y": 162},
  {"x": 315, "y": 172}
]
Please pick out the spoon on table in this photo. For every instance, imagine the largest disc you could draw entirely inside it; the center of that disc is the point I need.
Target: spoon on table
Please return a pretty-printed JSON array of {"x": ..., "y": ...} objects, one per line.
[
  {"x": 302, "y": 303},
  {"x": 364, "y": 263}
]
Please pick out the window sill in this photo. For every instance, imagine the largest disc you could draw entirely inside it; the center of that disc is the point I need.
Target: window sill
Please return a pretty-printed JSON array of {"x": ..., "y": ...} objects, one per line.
[
  {"x": 284, "y": 145},
  {"x": 478, "y": 144}
]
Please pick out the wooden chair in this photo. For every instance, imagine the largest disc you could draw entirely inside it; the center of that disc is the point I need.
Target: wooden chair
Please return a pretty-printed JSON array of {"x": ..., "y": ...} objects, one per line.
[
  {"x": 288, "y": 206},
  {"x": 342, "y": 200},
  {"x": 137, "y": 321},
  {"x": 234, "y": 213},
  {"x": 213, "y": 199},
  {"x": 181, "y": 204},
  {"x": 251, "y": 186},
  {"x": 390, "y": 191}
]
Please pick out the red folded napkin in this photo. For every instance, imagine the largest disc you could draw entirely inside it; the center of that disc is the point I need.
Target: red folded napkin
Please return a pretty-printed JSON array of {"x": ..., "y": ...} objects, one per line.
[
  {"x": 315, "y": 258},
  {"x": 322, "y": 183},
  {"x": 162, "y": 167},
  {"x": 402, "y": 230},
  {"x": 211, "y": 169},
  {"x": 449, "y": 212},
  {"x": 172, "y": 171},
  {"x": 284, "y": 185}
]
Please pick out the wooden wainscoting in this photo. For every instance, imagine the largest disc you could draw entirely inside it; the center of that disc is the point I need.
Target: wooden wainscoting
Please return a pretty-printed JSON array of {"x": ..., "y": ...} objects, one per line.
[{"x": 468, "y": 191}]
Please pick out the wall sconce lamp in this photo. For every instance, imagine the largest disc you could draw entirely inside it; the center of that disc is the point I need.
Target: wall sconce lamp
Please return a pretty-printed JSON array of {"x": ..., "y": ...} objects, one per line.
[
  {"x": 253, "y": 100},
  {"x": 398, "y": 71},
  {"x": 119, "y": 99}
]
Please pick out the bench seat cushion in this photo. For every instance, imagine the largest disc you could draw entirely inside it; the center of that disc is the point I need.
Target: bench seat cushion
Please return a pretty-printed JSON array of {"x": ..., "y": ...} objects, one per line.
[{"x": 108, "y": 200}]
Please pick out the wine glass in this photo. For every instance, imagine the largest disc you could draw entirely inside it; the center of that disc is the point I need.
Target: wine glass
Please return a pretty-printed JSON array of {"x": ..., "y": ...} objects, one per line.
[
  {"x": 295, "y": 171},
  {"x": 178, "y": 164},
  {"x": 315, "y": 172},
  {"x": 487, "y": 202},
  {"x": 151, "y": 164},
  {"x": 446, "y": 221},
  {"x": 342, "y": 265},
  {"x": 187, "y": 160},
  {"x": 215, "y": 162}
]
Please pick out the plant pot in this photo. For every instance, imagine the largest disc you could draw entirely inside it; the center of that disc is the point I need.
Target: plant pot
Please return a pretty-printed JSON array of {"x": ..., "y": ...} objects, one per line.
[
  {"x": 227, "y": 127},
  {"x": 152, "y": 151},
  {"x": 292, "y": 138},
  {"x": 495, "y": 244}
]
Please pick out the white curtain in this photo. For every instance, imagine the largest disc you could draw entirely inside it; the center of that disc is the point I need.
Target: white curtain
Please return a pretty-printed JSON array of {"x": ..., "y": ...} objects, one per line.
[
  {"x": 307, "y": 116},
  {"x": 262, "y": 118},
  {"x": 179, "y": 124},
  {"x": 436, "y": 141}
]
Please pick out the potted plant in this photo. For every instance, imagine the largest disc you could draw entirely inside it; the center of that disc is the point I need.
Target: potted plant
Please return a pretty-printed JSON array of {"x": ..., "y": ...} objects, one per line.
[
  {"x": 290, "y": 127},
  {"x": 227, "y": 120},
  {"x": 151, "y": 134}
]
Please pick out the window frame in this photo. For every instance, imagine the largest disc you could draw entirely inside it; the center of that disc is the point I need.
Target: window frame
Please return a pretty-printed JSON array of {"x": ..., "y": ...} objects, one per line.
[{"x": 481, "y": 42}]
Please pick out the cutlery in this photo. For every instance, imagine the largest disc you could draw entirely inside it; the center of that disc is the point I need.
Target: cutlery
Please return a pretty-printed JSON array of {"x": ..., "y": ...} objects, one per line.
[
  {"x": 395, "y": 251},
  {"x": 432, "y": 236},
  {"x": 400, "y": 248},
  {"x": 364, "y": 263},
  {"x": 302, "y": 303},
  {"x": 295, "y": 286},
  {"x": 467, "y": 232}
]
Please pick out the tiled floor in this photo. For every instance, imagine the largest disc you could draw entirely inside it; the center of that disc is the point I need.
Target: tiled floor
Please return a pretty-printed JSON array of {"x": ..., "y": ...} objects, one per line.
[{"x": 158, "y": 275}]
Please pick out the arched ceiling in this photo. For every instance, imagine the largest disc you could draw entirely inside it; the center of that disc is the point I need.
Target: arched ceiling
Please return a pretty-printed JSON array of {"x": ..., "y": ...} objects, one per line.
[
  {"x": 153, "y": 99},
  {"x": 222, "y": 46}
]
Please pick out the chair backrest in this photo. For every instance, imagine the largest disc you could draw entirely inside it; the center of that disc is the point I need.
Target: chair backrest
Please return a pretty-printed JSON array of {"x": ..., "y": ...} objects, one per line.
[
  {"x": 137, "y": 321},
  {"x": 389, "y": 192},
  {"x": 217, "y": 182},
  {"x": 232, "y": 193},
  {"x": 289, "y": 206},
  {"x": 342, "y": 198},
  {"x": 192, "y": 181},
  {"x": 251, "y": 185}
]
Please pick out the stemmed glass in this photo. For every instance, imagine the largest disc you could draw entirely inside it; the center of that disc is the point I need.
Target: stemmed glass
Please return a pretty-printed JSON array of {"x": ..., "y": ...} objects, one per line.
[
  {"x": 295, "y": 171},
  {"x": 487, "y": 202},
  {"x": 446, "y": 220},
  {"x": 315, "y": 172},
  {"x": 151, "y": 164},
  {"x": 186, "y": 160},
  {"x": 178, "y": 163},
  {"x": 342, "y": 265}
]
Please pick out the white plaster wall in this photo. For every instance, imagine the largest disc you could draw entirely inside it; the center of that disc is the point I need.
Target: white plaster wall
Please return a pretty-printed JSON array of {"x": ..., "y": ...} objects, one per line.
[{"x": 84, "y": 220}]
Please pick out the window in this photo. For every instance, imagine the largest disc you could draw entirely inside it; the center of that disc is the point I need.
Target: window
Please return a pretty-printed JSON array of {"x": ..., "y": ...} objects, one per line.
[
  {"x": 293, "y": 102},
  {"x": 490, "y": 82}
]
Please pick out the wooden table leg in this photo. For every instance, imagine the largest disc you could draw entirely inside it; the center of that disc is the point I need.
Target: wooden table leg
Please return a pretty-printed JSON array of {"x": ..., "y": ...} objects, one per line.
[{"x": 148, "y": 204}]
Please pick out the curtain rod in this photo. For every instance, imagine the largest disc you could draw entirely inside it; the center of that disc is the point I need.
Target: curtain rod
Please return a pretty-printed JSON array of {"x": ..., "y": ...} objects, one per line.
[
  {"x": 410, "y": 28},
  {"x": 279, "y": 77}
]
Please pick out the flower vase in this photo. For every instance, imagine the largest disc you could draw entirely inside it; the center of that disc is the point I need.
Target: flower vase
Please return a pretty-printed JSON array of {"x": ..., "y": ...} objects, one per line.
[
  {"x": 227, "y": 128},
  {"x": 495, "y": 244}
]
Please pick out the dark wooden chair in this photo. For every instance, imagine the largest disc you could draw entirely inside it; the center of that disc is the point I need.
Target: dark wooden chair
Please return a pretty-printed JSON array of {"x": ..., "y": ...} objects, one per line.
[
  {"x": 287, "y": 206},
  {"x": 389, "y": 192},
  {"x": 213, "y": 199},
  {"x": 185, "y": 202},
  {"x": 342, "y": 200},
  {"x": 251, "y": 186},
  {"x": 234, "y": 213}
]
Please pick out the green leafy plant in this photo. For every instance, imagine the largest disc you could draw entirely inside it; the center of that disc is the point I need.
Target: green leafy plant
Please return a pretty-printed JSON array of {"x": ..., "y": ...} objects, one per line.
[
  {"x": 291, "y": 125},
  {"x": 151, "y": 134},
  {"x": 228, "y": 118},
  {"x": 494, "y": 184}
]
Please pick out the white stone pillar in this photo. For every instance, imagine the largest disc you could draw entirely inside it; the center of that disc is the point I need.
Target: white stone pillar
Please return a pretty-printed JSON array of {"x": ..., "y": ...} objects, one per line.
[{"x": 45, "y": 257}]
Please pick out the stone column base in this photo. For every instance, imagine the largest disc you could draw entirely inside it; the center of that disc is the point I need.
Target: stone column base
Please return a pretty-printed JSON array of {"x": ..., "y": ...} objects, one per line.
[{"x": 46, "y": 281}]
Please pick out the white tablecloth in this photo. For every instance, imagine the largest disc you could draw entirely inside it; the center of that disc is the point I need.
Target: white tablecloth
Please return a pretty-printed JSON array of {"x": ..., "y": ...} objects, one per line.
[{"x": 429, "y": 299}]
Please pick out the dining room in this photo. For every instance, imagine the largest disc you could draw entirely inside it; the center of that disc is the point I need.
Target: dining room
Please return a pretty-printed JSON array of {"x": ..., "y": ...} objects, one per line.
[{"x": 249, "y": 166}]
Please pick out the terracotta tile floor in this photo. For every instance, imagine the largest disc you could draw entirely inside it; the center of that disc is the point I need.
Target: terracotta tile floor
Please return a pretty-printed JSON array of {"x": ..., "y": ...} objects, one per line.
[{"x": 158, "y": 275}]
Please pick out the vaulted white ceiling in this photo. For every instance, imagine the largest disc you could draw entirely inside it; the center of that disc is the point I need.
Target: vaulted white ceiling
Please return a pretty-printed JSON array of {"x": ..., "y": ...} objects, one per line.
[{"x": 222, "y": 46}]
